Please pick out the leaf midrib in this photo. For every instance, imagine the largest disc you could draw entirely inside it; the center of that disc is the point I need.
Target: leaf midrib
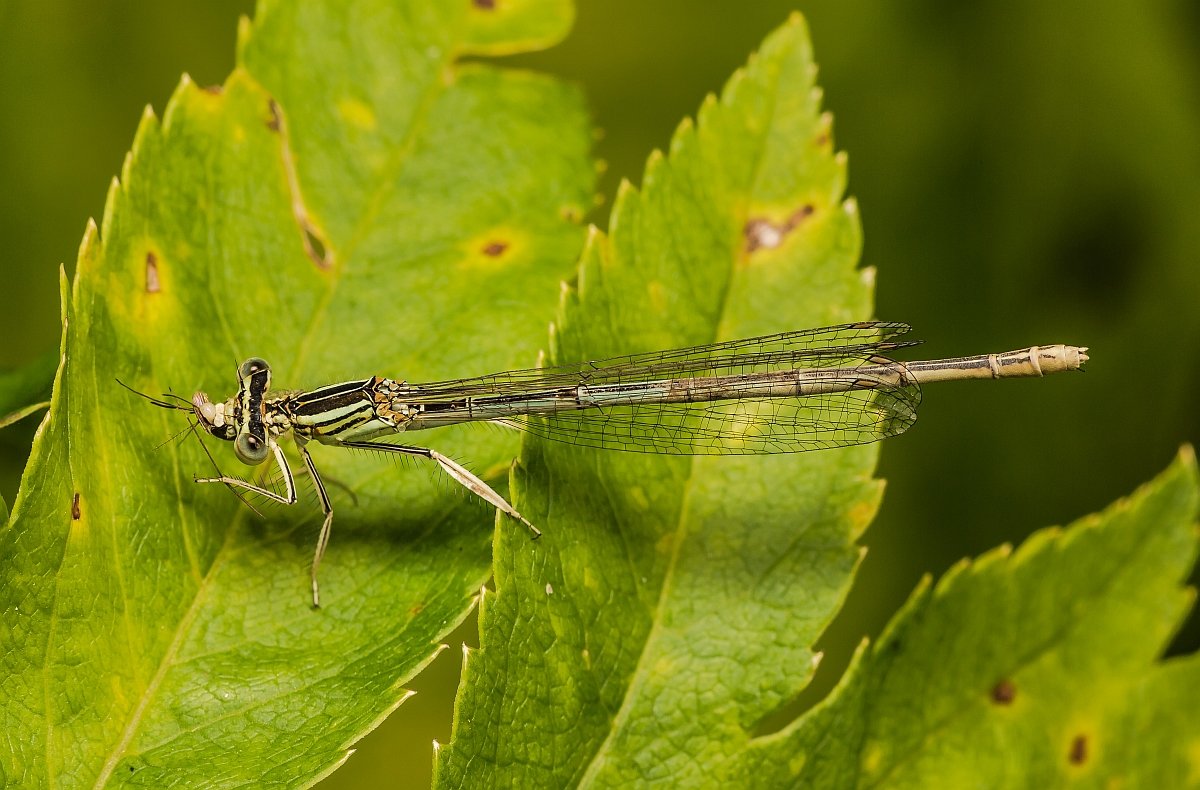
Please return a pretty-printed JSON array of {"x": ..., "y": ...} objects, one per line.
[
  {"x": 388, "y": 176},
  {"x": 741, "y": 212}
]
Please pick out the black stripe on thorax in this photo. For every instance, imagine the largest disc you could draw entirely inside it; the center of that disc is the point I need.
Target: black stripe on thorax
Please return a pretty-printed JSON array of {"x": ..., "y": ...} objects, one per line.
[{"x": 333, "y": 398}]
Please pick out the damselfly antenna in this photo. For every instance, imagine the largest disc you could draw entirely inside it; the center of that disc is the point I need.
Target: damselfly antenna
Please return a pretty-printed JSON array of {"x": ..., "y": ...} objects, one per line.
[{"x": 162, "y": 404}]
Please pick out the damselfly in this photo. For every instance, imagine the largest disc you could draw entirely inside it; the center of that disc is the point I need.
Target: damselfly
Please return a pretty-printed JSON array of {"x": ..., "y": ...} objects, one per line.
[{"x": 790, "y": 392}]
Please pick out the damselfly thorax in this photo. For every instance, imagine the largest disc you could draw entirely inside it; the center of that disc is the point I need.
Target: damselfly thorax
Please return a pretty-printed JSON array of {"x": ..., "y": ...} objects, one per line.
[{"x": 790, "y": 392}]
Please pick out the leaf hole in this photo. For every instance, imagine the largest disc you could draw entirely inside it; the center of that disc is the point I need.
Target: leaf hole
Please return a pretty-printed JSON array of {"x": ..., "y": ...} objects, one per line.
[
  {"x": 1078, "y": 754},
  {"x": 314, "y": 247},
  {"x": 1004, "y": 692},
  {"x": 761, "y": 233},
  {"x": 153, "y": 284},
  {"x": 275, "y": 121},
  {"x": 494, "y": 249}
]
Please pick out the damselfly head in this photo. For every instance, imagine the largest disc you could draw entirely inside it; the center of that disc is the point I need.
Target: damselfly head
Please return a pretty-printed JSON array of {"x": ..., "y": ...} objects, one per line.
[{"x": 216, "y": 418}]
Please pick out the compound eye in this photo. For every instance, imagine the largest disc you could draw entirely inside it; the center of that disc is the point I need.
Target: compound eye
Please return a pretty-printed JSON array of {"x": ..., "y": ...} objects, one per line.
[
  {"x": 252, "y": 366},
  {"x": 250, "y": 449}
]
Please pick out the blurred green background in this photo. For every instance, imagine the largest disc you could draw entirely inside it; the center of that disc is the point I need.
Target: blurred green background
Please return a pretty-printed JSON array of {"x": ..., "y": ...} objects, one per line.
[{"x": 1028, "y": 172}]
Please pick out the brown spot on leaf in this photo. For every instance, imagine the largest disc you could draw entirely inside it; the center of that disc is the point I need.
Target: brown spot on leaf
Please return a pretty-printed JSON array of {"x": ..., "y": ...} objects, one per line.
[
  {"x": 76, "y": 513},
  {"x": 416, "y": 608},
  {"x": 1079, "y": 750},
  {"x": 764, "y": 234},
  {"x": 760, "y": 233},
  {"x": 494, "y": 249},
  {"x": 1004, "y": 692},
  {"x": 314, "y": 246},
  {"x": 153, "y": 285},
  {"x": 484, "y": 5},
  {"x": 215, "y": 90}
]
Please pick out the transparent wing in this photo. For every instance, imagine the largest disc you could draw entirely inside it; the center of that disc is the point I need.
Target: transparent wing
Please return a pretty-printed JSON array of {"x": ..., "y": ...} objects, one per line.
[
  {"x": 830, "y": 346},
  {"x": 736, "y": 427}
]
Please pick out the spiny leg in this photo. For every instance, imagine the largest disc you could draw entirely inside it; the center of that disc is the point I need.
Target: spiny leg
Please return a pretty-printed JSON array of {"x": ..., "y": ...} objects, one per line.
[
  {"x": 289, "y": 498},
  {"x": 289, "y": 482},
  {"x": 461, "y": 475},
  {"x": 327, "y": 509}
]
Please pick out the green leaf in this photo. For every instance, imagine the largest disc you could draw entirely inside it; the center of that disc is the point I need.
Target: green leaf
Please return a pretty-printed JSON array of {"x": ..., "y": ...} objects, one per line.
[
  {"x": 26, "y": 390},
  {"x": 673, "y": 602},
  {"x": 671, "y": 607},
  {"x": 1033, "y": 669},
  {"x": 353, "y": 200}
]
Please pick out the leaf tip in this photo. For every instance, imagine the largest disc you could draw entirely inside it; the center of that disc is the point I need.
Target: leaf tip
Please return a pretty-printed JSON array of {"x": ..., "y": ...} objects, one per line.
[
  {"x": 245, "y": 28},
  {"x": 1186, "y": 455}
]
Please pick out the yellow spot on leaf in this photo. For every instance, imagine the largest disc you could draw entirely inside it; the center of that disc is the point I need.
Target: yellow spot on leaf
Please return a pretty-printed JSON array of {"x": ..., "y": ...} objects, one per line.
[
  {"x": 1193, "y": 760},
  {"x": 872, "y": 759},
  {"x": 495, "y": 246},
  {"x": 862, "y": 513},
  {"x": 658, "y": 296},
  {"x": 357, "y": 114}
]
